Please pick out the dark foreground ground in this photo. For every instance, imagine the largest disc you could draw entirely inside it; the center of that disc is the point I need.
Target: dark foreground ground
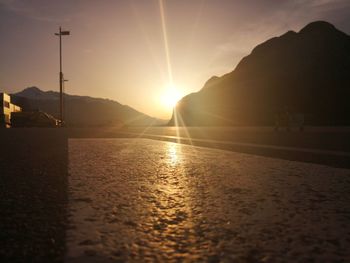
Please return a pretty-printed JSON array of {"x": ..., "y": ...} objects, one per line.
[
  {"x": 33, "y": 195},
  {"x": 136, "y": 199}
]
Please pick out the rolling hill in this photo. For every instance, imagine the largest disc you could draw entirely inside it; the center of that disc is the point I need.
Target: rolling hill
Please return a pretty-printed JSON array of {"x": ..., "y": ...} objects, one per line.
[{"x": 83, "y": 110}]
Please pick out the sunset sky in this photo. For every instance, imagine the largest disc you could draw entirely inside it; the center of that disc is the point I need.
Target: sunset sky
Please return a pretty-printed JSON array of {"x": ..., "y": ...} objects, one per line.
[{"x": 131, "y": 51}]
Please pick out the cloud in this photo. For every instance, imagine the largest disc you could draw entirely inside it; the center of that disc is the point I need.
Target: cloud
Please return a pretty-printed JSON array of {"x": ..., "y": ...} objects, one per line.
[{"x": 41, "y": 10}]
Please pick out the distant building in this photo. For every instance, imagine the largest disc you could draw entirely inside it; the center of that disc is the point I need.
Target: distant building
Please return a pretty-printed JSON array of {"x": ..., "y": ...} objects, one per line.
[{"x": 6, "y": 109}]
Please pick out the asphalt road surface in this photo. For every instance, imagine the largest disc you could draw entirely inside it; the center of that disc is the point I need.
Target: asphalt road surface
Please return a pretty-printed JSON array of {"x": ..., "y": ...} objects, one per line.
[
  {"x": 322, "y": 138},
  {"x": 140, "y": 200}
]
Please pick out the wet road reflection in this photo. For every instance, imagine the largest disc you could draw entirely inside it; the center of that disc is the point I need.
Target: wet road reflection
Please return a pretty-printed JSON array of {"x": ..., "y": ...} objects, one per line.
[{"x": 145, "y": 201}]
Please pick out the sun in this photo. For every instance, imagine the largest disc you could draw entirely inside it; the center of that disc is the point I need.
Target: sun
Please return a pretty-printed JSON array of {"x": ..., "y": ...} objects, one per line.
[{"x": 170, "y": 96}]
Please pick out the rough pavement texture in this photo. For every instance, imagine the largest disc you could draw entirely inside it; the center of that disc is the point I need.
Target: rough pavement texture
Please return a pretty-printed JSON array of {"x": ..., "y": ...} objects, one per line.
[
  {"x": 33, "y": 195},
  {"x": 143, "y": 200}
]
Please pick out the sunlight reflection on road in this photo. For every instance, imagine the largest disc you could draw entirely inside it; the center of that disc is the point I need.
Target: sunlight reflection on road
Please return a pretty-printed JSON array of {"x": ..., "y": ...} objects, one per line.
[
  {"x": 174, "y": 151},
  {"x": 170, "y": 215}
]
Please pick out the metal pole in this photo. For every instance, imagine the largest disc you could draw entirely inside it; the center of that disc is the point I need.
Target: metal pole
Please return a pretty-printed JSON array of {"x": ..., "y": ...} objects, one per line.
[
  {"x": 64, "y": 101},
  {"x": 61, "y": 80},
  {"x": 60, "y": 34}
]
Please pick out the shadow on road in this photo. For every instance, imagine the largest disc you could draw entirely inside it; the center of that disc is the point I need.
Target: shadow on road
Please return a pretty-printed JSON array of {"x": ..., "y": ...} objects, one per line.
[{"x": 33, "y": 194}]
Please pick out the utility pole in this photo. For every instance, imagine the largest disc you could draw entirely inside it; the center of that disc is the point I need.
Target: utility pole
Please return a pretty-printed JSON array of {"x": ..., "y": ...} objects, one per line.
[{"x": 61, "y": 79}]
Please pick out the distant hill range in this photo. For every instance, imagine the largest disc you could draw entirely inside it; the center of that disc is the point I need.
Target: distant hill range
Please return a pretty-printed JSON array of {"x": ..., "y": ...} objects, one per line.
[
  {"x": 301, "y": 73},
  {"x": 83, "y": 110}
]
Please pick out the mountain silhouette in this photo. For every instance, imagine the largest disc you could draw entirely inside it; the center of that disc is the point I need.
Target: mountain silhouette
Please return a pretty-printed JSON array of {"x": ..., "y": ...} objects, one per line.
[
  {"x": 301, "y": 73},
  {"x": 83, "y": 110}
]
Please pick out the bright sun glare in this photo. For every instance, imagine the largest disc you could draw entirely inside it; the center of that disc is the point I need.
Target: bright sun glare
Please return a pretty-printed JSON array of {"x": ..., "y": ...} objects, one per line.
[{"x": 170, "y": 96}]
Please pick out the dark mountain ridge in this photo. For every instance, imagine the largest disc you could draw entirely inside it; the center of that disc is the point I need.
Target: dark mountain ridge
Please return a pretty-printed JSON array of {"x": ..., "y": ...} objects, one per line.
[
  {"x": 83, "y": 110},
  {"x": 306, "y": 72}
]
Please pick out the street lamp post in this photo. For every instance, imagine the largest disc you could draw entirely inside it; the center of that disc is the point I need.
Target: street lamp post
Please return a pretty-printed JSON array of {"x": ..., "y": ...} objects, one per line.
[{"x": 61, "y": 79}]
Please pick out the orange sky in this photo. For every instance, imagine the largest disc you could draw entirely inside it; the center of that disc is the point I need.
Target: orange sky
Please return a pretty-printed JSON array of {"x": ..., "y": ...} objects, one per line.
[{"x": 130, "y": 51}]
